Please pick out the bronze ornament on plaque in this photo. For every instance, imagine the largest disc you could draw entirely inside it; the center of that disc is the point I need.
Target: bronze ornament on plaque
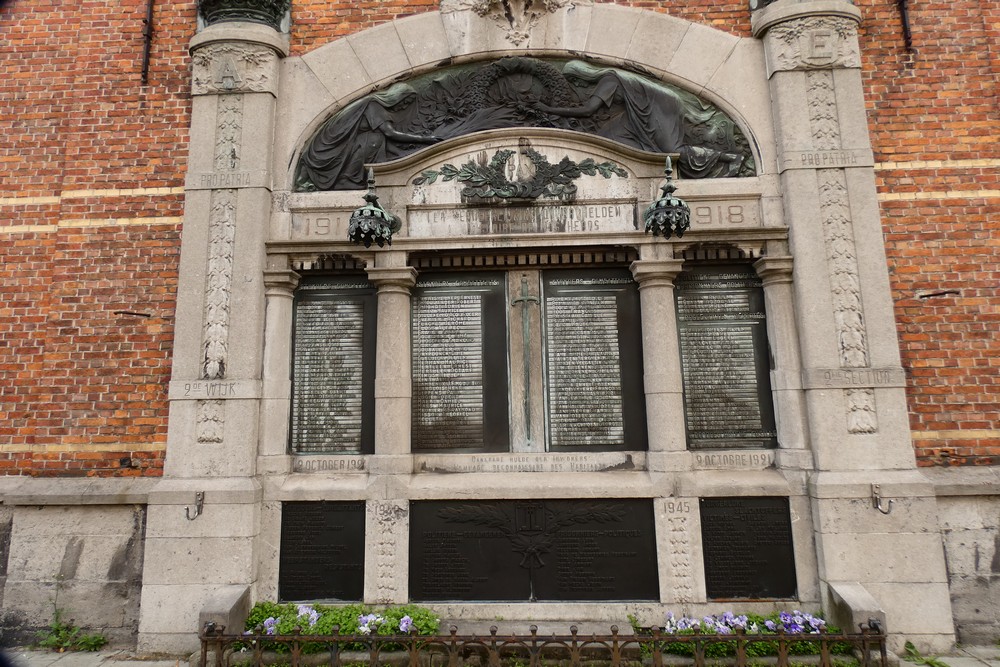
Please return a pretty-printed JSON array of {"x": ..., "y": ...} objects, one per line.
[{"x": 528, "y": 550}]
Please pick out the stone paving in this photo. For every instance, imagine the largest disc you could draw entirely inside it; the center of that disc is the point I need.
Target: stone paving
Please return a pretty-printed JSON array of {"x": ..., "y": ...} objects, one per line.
[{"x": 967, "y": 656}]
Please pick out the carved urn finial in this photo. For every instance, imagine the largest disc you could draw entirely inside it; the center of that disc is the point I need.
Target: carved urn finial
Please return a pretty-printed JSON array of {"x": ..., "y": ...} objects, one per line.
[
  {"x": 371, "y": 223},
  {"x": 268, "y": 12},
  {"x": 669, "y": 214}
]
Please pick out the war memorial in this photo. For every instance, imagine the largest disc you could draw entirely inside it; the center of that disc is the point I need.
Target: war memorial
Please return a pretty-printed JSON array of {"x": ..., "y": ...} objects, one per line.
[{"x": 528, "y": 312}]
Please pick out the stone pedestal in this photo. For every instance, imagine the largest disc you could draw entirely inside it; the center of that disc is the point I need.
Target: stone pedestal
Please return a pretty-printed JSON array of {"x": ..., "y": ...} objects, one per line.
[
  {"x": 198, "y": 545},
  {"x": 851, "y": 373}
]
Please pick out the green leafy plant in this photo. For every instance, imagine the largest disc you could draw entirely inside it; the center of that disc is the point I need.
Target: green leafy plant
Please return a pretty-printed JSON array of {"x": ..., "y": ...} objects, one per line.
[
  {"x": 271, "y": 618},
  {"x": 913, "y": 655},
  {"x": 794, "y": 623},
  {"x": 62, "y": 636}
]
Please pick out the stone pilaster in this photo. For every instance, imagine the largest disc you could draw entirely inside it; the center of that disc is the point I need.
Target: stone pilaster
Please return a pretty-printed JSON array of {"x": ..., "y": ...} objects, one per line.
[
  {"x": 197, "y": 552},
  {"x": 786, "y": 384},
  {"x": 394, "y": 281},
  {"x": 661, "y": 355},
  {"x": 851, "y": 374},
  {"x": 279, "y": 292}
]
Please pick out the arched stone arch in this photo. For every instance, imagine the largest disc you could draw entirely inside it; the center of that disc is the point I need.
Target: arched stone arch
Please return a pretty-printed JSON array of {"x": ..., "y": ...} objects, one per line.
[{"x": 725, "y": 70}]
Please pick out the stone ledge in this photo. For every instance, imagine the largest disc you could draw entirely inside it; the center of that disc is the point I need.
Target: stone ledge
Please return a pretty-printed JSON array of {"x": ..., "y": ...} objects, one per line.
[
  {"x": 964, "y": 481},
  {"x": 69, "y": 491}
]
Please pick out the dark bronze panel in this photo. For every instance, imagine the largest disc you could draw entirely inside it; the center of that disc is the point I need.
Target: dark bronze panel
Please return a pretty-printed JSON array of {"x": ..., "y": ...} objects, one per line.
[
  {"x": 333, "y": 368},
  {"x": 533, "y": 550},
  {"x": 459, "y": 331},
  {"x": 322, "y": 553},
  {"x": 593, "y": 361},
  {"x": 724, "y": 358},
  {"x": 747, "y": 544}
]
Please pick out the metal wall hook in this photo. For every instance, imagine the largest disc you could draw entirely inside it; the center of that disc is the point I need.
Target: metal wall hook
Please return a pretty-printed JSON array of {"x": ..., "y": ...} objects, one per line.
[
  {"x": 199, "y": 504},
  {"x": 877, "y": 500}
]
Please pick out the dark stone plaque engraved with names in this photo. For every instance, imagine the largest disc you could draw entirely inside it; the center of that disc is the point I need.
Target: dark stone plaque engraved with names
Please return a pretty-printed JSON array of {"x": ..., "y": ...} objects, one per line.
[
  {"x": 322, "y": 554},
  {"x": 333, "y": 367},
  {"x": 593, "y": 361},
  {"x": 747, "y": 543},
  {"x": 533, "y": 550},
  {"x": 459, "y": 363},
  {"x": 724, "y": 358}
]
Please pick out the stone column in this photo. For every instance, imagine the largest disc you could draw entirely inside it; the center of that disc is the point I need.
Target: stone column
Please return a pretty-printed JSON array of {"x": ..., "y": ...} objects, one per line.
[
  {"x": 279, "y": 291},
  {"x": 661, "y": 355},
  {"x": 204, "y": 514},
  {"x": 851, "y": 372},
  {"x": 394, "y": 281},
  {"x": 786, "y": 383}
]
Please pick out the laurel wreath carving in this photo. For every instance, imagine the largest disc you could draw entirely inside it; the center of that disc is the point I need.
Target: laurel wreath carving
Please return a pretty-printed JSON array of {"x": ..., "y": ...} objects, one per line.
[{"x": 554, "y": 181}]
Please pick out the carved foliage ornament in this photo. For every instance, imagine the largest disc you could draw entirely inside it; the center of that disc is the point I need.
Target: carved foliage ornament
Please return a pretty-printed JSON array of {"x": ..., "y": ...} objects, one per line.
[
  {"x": 554, "y": 181},
  {"x": 233, "y": 68},
  {"x": 616, "y": 104},
  {"x": 515, "y": 17},
  {"x": 817, "y": 42}
]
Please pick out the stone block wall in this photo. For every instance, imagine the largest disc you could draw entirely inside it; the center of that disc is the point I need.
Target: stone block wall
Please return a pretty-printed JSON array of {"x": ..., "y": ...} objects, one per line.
[
  {"x": 971, "y": 530},
  {"x": 84, "y": 561}
]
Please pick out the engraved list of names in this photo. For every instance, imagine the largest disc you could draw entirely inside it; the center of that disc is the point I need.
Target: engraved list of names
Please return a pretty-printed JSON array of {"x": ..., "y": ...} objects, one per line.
[
  {"x": 329, "y": 369},
  {"x": 723, "y": 341},
  {"x": 585, "y": 389},
  {"x": 451, "y": 399}
]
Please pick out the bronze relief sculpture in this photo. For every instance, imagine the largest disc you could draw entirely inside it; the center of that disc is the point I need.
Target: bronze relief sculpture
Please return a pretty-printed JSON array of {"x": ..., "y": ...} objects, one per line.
[{"x": 617, "y": 104}]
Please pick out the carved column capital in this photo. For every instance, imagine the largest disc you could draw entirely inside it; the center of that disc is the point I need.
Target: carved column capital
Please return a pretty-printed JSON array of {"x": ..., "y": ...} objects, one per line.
[
  {"x": 656, "y": 272},
  {"x": 393, "y": 279},
  {"x": 819, "y": 34},
  {"x": 774, "y": 270},
  {"x": 280, "y": 282}
]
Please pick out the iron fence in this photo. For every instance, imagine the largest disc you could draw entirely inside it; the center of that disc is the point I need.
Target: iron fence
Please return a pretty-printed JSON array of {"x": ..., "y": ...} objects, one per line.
[{"x": 650, "y": 648}]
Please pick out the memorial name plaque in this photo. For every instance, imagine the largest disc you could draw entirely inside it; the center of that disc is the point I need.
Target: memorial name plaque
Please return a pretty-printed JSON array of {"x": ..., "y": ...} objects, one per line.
[
  {"x": 724, "y": 358},
  {"x": 593, "y": 361},
  {"x": 747, "y": 543},
  {"x": 592, "y": 216},
  {"x": 458, "y": 339},
  {"x": 333, "y": 368},
  {"x": 322, "y": 554},
  {"x": 533, "y": 550}
]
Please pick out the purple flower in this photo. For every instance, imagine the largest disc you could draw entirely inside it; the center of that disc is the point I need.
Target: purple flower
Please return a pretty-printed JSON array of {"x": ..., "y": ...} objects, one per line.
[
  {"x": 405, "y": 624},
  {"x": 271, "y": 626},
  {"x": 310, "y": 614}
]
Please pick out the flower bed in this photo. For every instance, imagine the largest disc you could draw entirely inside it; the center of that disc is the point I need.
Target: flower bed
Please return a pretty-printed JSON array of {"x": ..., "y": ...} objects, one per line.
[
  {"x": 270, "y": 618},
  {"x": 783, "y": 623}
]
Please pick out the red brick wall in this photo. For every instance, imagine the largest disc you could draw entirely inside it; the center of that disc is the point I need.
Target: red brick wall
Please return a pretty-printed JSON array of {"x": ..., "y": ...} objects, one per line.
[
  {"x": 92, "y": 164},
  {"x": 934, "y": 116},
  {"x": 92, "y": 167}
]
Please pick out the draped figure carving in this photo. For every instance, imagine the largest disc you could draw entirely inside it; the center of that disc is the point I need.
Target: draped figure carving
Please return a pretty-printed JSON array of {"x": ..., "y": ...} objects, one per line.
[{"x": 630, "y": 108}]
